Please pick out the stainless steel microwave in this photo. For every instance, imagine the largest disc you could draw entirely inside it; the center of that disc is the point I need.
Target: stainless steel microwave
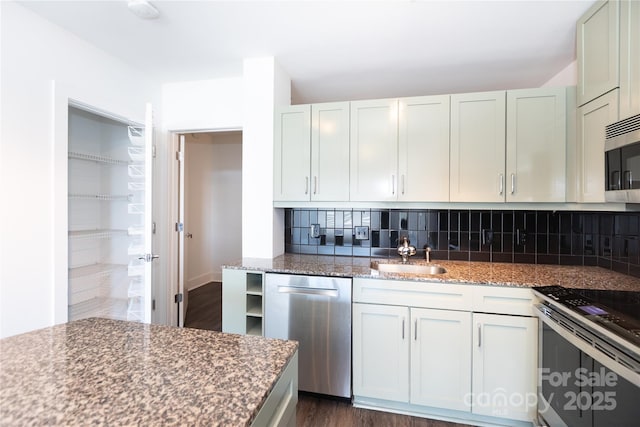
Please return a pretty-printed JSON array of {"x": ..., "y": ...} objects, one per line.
[{"x": 622, "y": 161}]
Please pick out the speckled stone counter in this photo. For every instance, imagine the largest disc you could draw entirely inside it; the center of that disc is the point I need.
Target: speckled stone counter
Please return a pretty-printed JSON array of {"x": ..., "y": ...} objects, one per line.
[
  {"x": 501, "y": 274},
  {"x": 107, "y": 372}
]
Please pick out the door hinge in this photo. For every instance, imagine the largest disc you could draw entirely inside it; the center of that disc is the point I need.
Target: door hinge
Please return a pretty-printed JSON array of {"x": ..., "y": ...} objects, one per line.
[
  {"x": 153, "y": 304},
  {"x": 153, "y": 151},
  {"x": 179, "y": 227},
  {"x": 179, "y": 156},
  {"x": 153, "y": 228},
  {"x": 178, "y": 298}
]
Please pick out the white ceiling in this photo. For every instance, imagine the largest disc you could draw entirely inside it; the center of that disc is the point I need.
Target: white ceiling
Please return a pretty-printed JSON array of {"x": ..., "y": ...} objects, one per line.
[{"x": 339, "y": 50}]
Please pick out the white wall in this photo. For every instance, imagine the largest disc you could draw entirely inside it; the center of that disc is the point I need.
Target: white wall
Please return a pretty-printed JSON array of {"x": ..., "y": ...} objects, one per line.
[
  {"x": 568, "y": 76},
  {"x": 33, "y": 243},
  {"x": 213, "y": 199},
  {"x": 265, "y": 85},
  {"x": 203, "y": 105}
]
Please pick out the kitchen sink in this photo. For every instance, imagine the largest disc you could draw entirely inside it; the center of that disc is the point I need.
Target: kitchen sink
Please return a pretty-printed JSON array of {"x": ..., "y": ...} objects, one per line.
[{"x": 408, "y": 268}]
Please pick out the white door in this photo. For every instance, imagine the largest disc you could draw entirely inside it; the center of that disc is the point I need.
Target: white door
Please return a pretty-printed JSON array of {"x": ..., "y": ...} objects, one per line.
[
  {"x": 330, "y": 152},
  {"x": 478, "y": 147},
  {"x": 592, "y": 119},
  {"x": 441, "y": 358},
  {"x": 381, "y": 352},
  {"x": 423, "y": 149},
  {"x": 374, "y": 150},
  {"x": 536, "y": 145},
  {"x": 292, "y": 154},
  {"x": 504, "y": 366},
  {"x": 148, "y": 218}
]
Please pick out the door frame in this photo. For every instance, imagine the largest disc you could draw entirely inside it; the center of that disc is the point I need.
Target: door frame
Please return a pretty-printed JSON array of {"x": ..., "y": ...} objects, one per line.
[{"x": 176, "y": 239}]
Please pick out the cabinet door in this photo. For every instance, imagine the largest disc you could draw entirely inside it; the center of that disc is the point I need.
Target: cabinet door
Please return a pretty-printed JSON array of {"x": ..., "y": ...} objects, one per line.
[
  {"x": 330, "y": 152},
  {"x": 441, "y": 358},
  {"x": 477, "y": 147},
  {"x": 381, "y": 352},
  {"x": 598, "y": 42},
  {"x": 536, "y": 145},
  {"x": 423, "y": 149},
  {"x": 374, "y": 150},
  {"x": 592, "y": 119},
  {"x": 505, "y": 359},
  {"x": 292, "y": 153},
  {"x": 629, "y": 58}
]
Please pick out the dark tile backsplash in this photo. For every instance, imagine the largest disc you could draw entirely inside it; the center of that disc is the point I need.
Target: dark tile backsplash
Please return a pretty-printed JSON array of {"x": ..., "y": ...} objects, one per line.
[{"x": 606, "y": 239}]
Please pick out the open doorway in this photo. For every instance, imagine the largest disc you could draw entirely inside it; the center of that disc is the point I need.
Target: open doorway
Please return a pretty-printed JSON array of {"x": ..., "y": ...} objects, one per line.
[{"x": 212, "y": 233}]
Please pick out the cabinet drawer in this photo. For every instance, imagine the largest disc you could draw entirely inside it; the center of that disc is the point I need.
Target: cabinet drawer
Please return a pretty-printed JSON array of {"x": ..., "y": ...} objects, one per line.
[
  {"x": 502, "y": 300},
  {"x": 414, "y": 294}
]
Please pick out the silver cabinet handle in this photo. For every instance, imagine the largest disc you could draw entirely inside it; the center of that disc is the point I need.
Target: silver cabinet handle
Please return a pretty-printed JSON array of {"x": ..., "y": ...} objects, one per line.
[
  {"x": 501, "y": 178},
  {"x": 415, "y": 330},
  {"x": 315, "y": 185},
  {"x": 402, "y": 182},
  {"x": 479, "y": 335},
  {"x": 393, "y": 185},
  {"x": 306, "y": 185},
  {"x": 403, "y": 320},
  {"x": 327, "y": 292},
  {"x": 513, "y": 183}
]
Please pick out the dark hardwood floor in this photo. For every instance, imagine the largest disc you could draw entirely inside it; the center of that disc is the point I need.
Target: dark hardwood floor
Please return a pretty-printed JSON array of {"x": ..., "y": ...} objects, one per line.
[
  {"x": 205, "y": 312},
  {"x": 205, "y": 307}
]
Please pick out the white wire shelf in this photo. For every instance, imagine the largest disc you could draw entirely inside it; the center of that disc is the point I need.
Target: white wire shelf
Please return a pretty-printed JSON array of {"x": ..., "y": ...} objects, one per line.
[
  {"x": 102, "y": 197},
  {"x": 96, "y": 270},
  {"x": 96, "y": 158},
  {"x": 96, "y": 234},
  {"x": 136, "y": 135}
]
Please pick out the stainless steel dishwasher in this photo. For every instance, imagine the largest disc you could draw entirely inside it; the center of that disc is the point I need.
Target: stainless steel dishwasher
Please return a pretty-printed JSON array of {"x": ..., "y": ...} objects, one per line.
[{"x": 316, "y": 312}]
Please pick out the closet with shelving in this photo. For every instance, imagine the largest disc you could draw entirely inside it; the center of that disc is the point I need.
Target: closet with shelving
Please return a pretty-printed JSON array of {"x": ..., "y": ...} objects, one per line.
[{"x": 106, "y": 218}]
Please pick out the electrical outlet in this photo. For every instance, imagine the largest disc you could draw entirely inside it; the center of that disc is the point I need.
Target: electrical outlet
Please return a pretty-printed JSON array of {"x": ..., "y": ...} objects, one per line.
[
  {"x": 314, "y": 231},
  {"x": 361, "y": 233}
]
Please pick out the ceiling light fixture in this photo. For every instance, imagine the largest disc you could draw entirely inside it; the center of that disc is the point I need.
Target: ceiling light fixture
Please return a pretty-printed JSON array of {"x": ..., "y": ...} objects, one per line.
[{"x": 143, "y": 9}]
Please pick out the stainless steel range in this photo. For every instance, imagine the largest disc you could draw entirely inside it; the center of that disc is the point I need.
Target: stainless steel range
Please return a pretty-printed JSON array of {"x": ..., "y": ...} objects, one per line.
[{"x": 589, "y": 357}]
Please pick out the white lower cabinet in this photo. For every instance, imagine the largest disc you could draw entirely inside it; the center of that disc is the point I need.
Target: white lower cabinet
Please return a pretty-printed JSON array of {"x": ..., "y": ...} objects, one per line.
[
  {"x": 445, "y": 358},
  {"x": 504, "y": 366},
  {"x": 381, "y": 351},
  {"x": 440, "y": 358}
]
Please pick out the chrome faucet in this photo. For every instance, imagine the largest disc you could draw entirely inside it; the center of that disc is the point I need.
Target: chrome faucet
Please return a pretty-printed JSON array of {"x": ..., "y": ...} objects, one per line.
[
  {"x": 405, "y": 250},
  {"x": 427, "y": 253}
]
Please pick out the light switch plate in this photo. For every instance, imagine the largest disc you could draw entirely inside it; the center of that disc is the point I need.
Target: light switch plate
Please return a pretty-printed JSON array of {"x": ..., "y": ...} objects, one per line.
[{"x": 361, "y": 233}]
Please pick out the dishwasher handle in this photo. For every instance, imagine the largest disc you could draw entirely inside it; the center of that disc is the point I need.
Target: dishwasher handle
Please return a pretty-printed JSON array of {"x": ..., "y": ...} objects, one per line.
[{"x": 327, "y": 292}]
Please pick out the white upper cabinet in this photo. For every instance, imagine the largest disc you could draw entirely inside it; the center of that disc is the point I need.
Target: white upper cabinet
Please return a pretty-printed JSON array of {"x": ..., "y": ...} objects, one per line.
[
  {"x": 423, "y": 149},
  {"x": 592, "y": 119},
  {"x": 330, "y": 152},
  {"x": 477, "y": 147},
  {"x": 629, "y": 58},
  {"x": 311, "y": 153},
  {"x": 536, "y": 145},
  {"x": 598, "y": 50},
  {"x": 374, "y": 150},
  {"x": 292, "y": 153}
]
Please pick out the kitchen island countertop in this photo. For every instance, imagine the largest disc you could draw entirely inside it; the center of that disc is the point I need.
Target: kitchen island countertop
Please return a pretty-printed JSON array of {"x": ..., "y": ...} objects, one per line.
[
  {"x": 108, "y": 372},
  {"x": 499, "y": 274}
]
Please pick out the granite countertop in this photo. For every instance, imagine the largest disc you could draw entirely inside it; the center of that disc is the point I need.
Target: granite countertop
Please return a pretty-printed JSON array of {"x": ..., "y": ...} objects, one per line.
[
  {"x": 109, "y": 372},
  {"x": 500, "y": 274}
]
